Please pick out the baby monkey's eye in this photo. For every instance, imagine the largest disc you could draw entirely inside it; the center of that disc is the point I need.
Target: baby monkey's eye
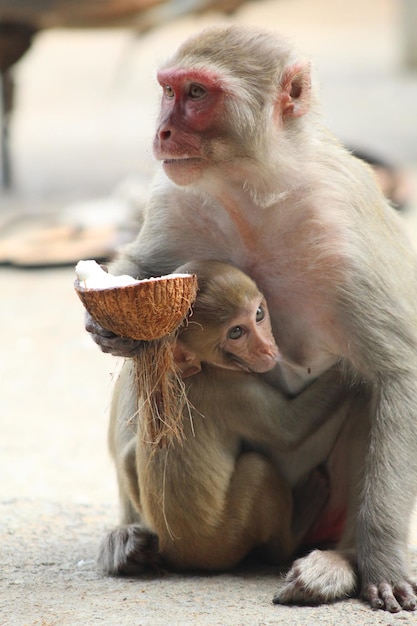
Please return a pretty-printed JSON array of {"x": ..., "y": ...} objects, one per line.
[
  {"x": 260, "y": 313},
  {"x": 235, "y": 333}
]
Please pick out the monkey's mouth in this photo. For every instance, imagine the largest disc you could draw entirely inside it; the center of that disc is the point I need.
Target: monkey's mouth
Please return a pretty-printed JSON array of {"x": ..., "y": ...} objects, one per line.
[
  {"x": 230, "y": 361},
  {"x": 182, "y": 170},
  {"x": 240, "y": 364},
  {"x": 243, "y": 366},
  {"x": 181, "y": 161}
]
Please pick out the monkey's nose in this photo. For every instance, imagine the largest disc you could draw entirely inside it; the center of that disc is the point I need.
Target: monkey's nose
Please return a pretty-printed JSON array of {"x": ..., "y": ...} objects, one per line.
[
  {"x": 270, "y": 350},
  {"x": 164, "y": 135}
]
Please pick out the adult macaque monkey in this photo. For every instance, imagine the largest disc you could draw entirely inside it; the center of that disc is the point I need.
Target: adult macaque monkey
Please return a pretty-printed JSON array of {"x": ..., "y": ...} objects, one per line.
[
  {"x": 217, "y": 497},
  {"x": 250, "y": 177}
]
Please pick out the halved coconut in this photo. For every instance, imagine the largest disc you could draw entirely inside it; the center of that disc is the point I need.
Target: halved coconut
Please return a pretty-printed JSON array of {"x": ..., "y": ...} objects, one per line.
[{"x": 146, "y": 309}]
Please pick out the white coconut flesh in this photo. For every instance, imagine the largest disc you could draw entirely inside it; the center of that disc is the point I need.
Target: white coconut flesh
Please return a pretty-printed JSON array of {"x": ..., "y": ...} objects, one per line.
[{"x": 92, "y": 276}]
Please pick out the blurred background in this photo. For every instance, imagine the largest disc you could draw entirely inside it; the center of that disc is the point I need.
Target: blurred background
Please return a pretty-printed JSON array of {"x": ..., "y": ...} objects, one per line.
[{"x": 76, "y": 165}]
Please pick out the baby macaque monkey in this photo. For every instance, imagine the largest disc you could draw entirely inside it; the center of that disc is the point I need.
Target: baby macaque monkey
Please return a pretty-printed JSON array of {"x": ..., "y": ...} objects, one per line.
[
  {"x": 217, "y": 496},
  {"x": 230, "y": 327}
]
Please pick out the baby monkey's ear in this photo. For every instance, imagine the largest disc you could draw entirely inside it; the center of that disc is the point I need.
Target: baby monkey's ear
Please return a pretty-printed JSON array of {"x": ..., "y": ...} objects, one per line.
[{"x": 186, "y": 360}]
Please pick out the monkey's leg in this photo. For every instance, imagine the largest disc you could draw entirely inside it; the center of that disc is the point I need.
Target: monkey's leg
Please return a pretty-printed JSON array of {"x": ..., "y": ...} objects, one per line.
[
  {"x": 257, "y": 514},
  {"x": 131, "y": 548},
  {"x": 326, "y": 575},
  {"x": 127, "y": 478}
]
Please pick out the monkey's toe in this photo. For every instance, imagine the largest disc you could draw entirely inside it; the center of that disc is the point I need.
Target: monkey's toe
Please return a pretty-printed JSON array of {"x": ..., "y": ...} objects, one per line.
[{"x": 391, "y": 598}]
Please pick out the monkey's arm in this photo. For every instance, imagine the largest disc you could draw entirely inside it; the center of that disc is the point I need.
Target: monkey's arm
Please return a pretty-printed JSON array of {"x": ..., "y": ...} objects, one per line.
[
  {"x": 385, "y": 354},
  {"x": 285, "y": 422}
]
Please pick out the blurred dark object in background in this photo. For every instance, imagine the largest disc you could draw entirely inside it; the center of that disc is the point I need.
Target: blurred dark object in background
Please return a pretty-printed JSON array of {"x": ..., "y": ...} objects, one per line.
[{"x": 393, "y": 181}]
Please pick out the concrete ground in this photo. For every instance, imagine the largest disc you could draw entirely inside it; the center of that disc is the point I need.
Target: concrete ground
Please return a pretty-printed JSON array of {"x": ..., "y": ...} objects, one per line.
[{"x": 83, "y": 123}]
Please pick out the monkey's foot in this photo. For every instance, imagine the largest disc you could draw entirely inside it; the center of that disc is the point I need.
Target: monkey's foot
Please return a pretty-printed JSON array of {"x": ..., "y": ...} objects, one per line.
[
  {"x": 321, "y": 576},
  {"x": 128, "y": 550},
  {"x": 392, "y": 598}
]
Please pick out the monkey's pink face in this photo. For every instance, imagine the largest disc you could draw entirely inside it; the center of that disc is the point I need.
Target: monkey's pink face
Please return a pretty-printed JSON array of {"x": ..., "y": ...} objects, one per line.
[
  {"x": 189, "y": 122},
  {"x": 248, "y": 343}
]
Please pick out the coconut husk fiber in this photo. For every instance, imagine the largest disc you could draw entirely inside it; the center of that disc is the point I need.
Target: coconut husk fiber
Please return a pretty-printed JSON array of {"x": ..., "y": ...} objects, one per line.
[{"x": 150, "y": 311}]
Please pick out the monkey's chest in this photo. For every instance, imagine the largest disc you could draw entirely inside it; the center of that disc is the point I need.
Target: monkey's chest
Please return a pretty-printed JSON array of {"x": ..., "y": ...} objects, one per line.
[
  {"x": 293, "y": 256},
  {"x": 299, "y": 274}
]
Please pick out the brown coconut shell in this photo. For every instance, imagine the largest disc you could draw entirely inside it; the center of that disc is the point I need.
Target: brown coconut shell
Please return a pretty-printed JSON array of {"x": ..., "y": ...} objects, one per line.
[{"x": 147, "y": 310}]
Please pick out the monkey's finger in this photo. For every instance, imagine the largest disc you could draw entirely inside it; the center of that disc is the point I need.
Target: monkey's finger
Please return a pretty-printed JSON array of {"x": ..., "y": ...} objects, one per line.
[
  {"x": 381, "y": 597},
  {"x": 110, "y": 343},
  {"x": 117, "y": 346},
  {"x": 94, "y": 328},
  {"x": 404, "y": 592},
  {"x": 371, "y": 593},
  {"x": 387, "y": 595}
]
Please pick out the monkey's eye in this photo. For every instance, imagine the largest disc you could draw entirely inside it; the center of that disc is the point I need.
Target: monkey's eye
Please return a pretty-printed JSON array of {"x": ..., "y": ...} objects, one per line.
[
  {"x": 168, "y": 91},
  {"x": 260, "y": 313},
  {"x": 196, "y": 91},
  {"x": 235, "y": 333}
]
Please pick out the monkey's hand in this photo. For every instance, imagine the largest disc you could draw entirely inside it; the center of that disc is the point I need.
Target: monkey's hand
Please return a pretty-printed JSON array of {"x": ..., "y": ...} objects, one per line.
[
  {"x": 109, "y": 342},
  {"x": 392, "y": 598},
  {"x": 128, "y": 550}
]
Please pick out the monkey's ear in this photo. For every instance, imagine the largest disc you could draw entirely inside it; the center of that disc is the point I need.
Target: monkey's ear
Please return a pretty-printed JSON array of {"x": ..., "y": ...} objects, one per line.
[
  {"x": 186, "y": 361},
  {"x": 294, "y": 91}
]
